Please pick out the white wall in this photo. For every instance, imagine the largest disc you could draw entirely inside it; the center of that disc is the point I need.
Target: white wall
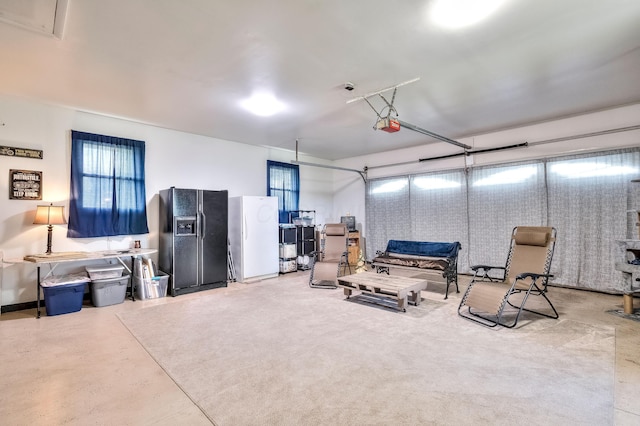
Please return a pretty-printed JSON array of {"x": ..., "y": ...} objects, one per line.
[
  {"x": 186, "y": 160},
  {"x": 172, "y": 159},
  {"x": 349, "y": 187}
]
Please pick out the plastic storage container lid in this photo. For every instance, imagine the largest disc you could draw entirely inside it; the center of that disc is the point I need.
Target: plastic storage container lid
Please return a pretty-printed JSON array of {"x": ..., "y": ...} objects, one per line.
[
  {"x": 56, "y": 280},
  {"x": 122, "y": 278},
  {"x": 103, "y": 268}
]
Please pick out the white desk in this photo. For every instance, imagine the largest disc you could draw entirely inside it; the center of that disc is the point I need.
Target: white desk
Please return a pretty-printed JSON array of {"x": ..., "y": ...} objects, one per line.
[{"x": 54, "y": 259}]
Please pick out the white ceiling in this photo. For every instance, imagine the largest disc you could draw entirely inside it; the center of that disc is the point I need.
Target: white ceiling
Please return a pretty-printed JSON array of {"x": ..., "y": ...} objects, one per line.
[{"x": 187, "y": 64}]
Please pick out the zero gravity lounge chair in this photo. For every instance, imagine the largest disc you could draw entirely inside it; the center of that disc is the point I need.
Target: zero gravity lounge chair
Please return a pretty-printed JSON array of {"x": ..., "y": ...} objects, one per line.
[
  {"x": 328, "y": 263},
  {"x": 491, "y": 301}
]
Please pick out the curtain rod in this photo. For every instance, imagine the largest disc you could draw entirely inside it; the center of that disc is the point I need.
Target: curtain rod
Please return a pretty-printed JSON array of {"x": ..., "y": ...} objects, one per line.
[
  {"x": 477, "y": 151},
  {"x": 458, "y": 154}
]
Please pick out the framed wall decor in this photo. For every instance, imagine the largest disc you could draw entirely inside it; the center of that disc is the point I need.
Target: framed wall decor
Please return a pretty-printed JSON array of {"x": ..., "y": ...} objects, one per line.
[
  {"x": 20, "y": 152},
  {"x": 25, "y": 185}
]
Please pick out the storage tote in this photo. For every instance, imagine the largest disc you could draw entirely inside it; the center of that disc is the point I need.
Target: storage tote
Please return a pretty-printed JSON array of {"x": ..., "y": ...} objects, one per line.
[
  {"x": 63, "y": 294},
  {"x": 288, "y": 266},
  {"x": 151, "y": 288},
  {"x": 287, "y": 251},
  {"x": 109, "y": 291}
]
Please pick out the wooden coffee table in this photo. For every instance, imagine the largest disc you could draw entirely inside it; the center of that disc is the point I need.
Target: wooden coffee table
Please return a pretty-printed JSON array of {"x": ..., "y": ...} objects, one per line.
[{"x": 403, "y": 289}]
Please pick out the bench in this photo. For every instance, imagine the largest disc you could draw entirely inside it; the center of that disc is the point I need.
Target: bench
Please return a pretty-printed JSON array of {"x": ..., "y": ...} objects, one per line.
[{"x": 438, "y": 260}]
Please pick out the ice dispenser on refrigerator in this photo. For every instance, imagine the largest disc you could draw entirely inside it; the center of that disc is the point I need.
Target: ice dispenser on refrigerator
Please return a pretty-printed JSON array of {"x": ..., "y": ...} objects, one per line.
[{"x": 185, "y": 226}]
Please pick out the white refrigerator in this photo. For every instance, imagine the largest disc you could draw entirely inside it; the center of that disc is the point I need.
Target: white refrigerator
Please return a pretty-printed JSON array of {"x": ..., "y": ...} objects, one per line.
[{"x": 253, "y": 237}]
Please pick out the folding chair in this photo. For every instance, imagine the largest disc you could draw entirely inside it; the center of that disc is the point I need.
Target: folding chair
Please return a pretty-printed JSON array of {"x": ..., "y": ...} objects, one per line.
[
  {"x": 526, "y": 273},
  {"x": 327, "y": 263}
]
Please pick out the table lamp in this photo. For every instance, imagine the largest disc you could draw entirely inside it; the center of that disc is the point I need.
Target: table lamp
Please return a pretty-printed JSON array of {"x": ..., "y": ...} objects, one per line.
[{"x": 49, "y": 215}]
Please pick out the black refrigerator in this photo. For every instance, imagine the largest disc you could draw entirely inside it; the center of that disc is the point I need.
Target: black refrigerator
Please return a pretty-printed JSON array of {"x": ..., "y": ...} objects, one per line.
[{"x": 193, "y": 239}]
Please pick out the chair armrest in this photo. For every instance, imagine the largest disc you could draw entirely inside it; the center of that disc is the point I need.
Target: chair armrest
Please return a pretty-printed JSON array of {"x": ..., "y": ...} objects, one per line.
[
  {"x": 486, "y": 268},
  {"x": 481, "y": 272},
  {"x": 533, "y": 275}
]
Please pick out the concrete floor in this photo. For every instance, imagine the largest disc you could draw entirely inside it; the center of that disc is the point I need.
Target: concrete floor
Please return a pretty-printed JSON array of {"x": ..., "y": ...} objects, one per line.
[{"x": 86, "y": 368}]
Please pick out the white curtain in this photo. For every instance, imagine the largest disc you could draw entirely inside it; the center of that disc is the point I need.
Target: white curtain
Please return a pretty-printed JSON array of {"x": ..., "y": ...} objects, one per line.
[
  {"x": 439, "y": 209},
  {"x": 501, "y": 198},
  {"x": 588, "y": 198},
  {"x": 388, "y": 212}
]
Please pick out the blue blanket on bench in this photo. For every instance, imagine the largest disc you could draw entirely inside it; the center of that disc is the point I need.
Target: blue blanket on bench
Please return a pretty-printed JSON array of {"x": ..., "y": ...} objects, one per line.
[{"x": 423, "y": 248}]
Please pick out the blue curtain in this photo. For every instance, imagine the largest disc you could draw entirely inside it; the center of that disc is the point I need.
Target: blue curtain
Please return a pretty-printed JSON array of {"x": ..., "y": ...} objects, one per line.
[
  {"x": 107, "y": 186},
  {"x": 283, "y": 181}
]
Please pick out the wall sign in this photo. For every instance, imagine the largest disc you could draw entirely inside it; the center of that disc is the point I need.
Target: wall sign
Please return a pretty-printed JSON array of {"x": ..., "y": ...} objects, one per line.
[
  {"x": 25, "y": 185},
  {"x": 21, "y": 152}
]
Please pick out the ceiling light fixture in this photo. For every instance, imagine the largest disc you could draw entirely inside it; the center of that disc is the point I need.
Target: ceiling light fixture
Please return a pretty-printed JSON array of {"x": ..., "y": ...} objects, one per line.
[
  {"x": 461, "y": 13},
  {"x": 263, "y": 104}
]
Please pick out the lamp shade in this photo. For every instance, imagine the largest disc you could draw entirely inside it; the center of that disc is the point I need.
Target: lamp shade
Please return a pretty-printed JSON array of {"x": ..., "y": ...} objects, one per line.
[{"x": 50, "y": 215}]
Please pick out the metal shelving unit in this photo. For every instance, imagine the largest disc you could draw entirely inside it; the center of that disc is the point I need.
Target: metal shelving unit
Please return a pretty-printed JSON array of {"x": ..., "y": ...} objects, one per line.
[
  {"x": 304, "y": 221},
  {"x": 288, "y": 248}
]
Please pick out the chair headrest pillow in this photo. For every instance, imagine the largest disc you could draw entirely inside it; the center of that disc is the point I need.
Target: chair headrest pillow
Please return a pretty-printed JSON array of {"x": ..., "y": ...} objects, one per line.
[
  {"x": 335, "y": 229},
  {"x": 525, "y": 238}
]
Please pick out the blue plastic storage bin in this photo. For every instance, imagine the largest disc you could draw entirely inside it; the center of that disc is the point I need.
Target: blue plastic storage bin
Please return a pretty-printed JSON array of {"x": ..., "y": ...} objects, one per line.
[{"x": 63, "y": 298}]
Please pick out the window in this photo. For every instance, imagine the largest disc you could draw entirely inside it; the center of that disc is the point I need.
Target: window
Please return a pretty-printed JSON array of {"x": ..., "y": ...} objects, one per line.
[
  {"x": 283, "y": 181},
  {"x": 501, "y": 197},
  {"x": 388, "y": 212},
  {"x": 439, "y": 209},
  {"x": 107, "y": 186},
  {"x": 425, "y": 207},
  {"x": 588, "y": 198}
]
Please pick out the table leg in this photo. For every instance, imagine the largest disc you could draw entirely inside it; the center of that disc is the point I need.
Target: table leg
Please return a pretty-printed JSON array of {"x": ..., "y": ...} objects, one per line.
[
  {"x": 347, "y": 292},
  {"x": 402, "y": 303},
  {"x": 133, "y": 297},
  {"x": 38, "y": 290},
  {"x": 627, "y": 303}
]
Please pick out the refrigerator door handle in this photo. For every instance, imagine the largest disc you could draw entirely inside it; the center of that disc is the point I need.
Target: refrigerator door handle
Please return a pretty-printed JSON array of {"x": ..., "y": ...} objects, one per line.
[
  {"x": 203, "y": 225},
  {"x": 246, "y": 229}
]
